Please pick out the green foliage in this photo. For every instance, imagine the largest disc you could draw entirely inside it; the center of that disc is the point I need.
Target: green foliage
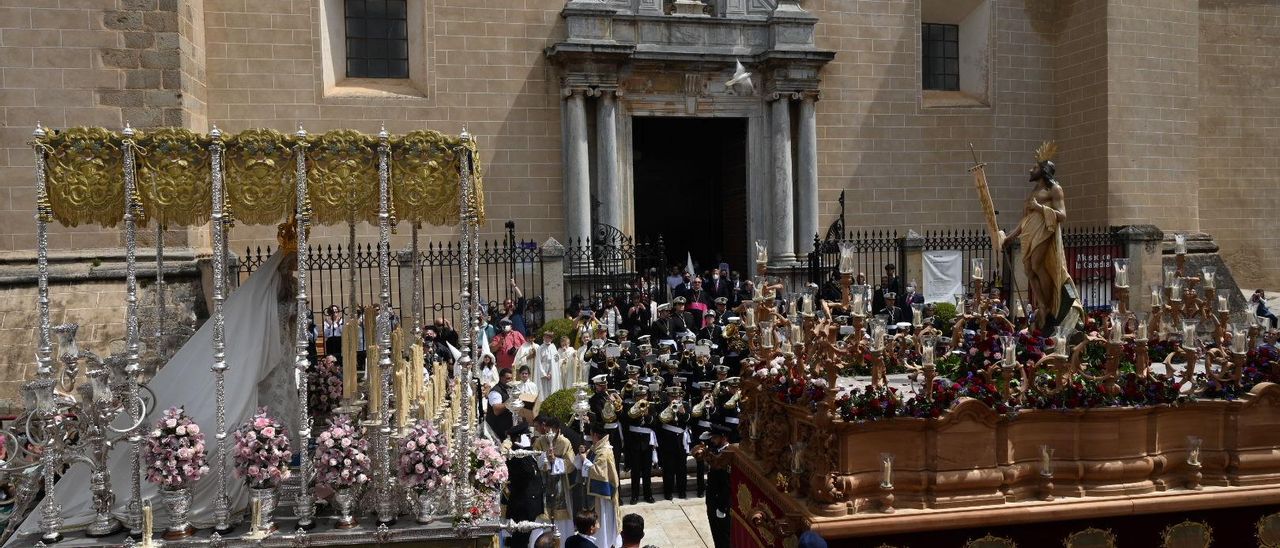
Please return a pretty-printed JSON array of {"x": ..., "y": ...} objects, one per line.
[
  {"x": 559, "y": 405},
  {"x": 950, "y": 366},
  {"x": 945, "y": 313},
  {"x": 562, "y": 327}
]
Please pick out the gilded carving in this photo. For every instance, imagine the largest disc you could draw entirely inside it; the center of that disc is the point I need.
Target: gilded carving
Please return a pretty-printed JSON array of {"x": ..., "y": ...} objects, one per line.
[
  {"x": 173, "y": 177},
  {"x": 85, "y": 176},
  {"x": 343, "y": 179},
  {"x": 1091, "y": 538},
  {"x": 260, "y": 176},
  {"x": 424, "y": 177},
  {"x": 1188, "y": 534},
  {"x": 1269, "y": 531}
]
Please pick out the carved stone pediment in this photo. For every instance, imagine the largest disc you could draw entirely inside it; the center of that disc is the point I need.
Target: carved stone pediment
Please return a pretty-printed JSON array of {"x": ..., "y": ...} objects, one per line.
[{"x": 775, "y": 41}]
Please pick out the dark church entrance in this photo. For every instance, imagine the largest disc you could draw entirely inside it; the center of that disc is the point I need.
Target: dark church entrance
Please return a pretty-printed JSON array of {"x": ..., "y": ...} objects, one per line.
[{"x": 690, "y": 187}]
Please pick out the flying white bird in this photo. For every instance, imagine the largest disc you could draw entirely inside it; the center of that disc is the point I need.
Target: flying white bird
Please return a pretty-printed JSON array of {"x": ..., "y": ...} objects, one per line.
[{"x": 741, "y": 81}]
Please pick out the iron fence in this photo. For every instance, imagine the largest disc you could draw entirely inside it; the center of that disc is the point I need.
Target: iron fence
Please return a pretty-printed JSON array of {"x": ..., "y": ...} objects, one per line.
[
  {"x": 501, "y": 262},
  {"x": 873, "y": 250},
  {"x": 610, "y": 266},
  {"x": 972, "y": 243},
  {"x": 1089, "y": 251}
]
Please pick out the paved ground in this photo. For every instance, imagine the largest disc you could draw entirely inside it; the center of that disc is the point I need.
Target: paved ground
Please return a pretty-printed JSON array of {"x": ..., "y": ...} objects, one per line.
[{"x": 680, "y": 523}]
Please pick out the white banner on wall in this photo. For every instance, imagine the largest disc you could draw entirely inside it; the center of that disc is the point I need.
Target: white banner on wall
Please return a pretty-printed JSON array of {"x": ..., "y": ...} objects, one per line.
[{"x": 943, "y": 273}]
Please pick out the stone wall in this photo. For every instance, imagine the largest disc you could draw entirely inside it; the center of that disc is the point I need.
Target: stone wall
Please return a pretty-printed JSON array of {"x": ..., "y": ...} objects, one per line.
[
  {"x": 1152, "y": 127},
  {"x": 1239, "y": 115},
  {"x": 905, "y": 163},
  {"x": 1080, "y": 114},
  {"x": 484, "y": 70}
]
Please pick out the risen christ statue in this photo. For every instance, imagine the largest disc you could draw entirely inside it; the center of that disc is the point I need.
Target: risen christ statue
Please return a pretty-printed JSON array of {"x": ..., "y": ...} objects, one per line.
[{"x": 1053, "y": 293}]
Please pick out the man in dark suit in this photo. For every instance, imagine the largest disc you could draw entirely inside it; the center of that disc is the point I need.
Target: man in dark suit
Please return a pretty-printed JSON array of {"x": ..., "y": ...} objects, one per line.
[
  {"x": 718, "y": 285},
  {"x": 525, "y": 487}
]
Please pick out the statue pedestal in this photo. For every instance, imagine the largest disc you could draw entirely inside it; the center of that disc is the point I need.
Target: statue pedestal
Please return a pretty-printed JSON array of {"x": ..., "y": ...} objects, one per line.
[{"x": 690, "y": 8}]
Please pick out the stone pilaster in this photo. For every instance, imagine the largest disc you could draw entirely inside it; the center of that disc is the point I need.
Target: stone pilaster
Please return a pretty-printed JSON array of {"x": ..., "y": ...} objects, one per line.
[{"x": 781, "y": 237}]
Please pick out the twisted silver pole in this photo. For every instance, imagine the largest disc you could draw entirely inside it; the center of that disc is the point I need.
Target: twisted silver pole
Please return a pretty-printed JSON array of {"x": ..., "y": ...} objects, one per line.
[
  {"x": 159, "y": 304},
  {"x": 51, "y": 519},
  {"x": 304, "y": 504},
  {"x": 387, "y": 505},
  {"x": 221, "y": 508},
  {"x": 132, "y": 368},
  {"x": 471, "y": 315}
]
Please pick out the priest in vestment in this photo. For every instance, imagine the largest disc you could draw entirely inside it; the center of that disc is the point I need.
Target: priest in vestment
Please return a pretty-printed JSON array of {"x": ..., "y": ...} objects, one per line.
[{"x": 602, "y": 487}]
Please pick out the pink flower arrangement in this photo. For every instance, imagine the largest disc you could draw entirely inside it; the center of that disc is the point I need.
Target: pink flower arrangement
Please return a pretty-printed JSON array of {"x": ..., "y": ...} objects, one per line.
[
  {"x": 324, "y": 387},
  {"x": 342, "y": 454},
  {"x": 175, "y": 452},
  {"x": 489, "y": 472},
  {"x": 424, "y": 458},
  {"x": 262, "y": 452}
]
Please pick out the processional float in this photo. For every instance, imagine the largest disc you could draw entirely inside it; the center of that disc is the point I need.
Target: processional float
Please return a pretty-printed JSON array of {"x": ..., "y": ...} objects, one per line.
[{"x": 173, "y": 177}]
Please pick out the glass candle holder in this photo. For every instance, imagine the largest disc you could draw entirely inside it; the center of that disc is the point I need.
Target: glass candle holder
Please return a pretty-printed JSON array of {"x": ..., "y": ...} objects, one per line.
[
  {"x": 1117, "y": 327},
  {"x": 959, "y": 297},
  {"x": 1157, "y": 295},
  {"x": 749, "y": 314},
  {"x": 809, "y": 302},
  {"x": 1121, "y": 267},
  {"x": 1180, "y": 244},
  {"x": 1175, "y": 290},
  {"x": 886, "y": 470},
  {"x": 858, "y": 300},
  {"x": 1060, "y": 335},
  {"x": 1142, "y": 327},
  {"x": 762, "y": 251},
  {"x": 917, "y": 314},
  {"x": 1018, "y": 311},
  {"x": 1188, "y": 332},
  {"x": 1207, "y": 276},
  {"x": 1239, "y": 339},
  {"x": 847, "y": 255},
  {"x": 1170, "y": 272},
  {"x": 1009, "y": 349},
  {"x": 977, "y": 265},
  {"x": 927, "y": 348},
  {"x": 766, "y": 334},
  {"x": 1224, "y": 304},
  {"x": 879, "y": 327},
  {"x": 797, "y": 333}
]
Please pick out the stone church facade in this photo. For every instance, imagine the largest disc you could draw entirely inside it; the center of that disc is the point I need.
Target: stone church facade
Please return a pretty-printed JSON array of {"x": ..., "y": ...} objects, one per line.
[{"x": 1166, "y": 111}]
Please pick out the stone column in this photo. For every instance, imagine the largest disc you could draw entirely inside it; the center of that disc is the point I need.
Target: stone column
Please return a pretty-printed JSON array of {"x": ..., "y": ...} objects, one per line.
[
  {"x": 806, "y": 213},
  {"x": 577, "y": 171},
  {"x": 607, "y": 160},
  {"x": 552, "y": 279},
  {"x": 781, "y": 230},
  {"x": 1146, "y": 264}
]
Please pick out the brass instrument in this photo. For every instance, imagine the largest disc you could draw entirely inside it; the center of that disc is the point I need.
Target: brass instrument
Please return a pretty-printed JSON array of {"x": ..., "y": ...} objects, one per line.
[
  {"x": 733, "y": 401},
  {"x": 609, "y": 412},
  {"x": 704, "y": 407},
  {"x": 668, "y": 414},
  {"x": 640, "y": 409}
]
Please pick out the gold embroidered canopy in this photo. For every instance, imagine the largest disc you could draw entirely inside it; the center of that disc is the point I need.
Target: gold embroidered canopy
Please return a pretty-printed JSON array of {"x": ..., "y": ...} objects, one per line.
[{"x": 173, "y": 165}]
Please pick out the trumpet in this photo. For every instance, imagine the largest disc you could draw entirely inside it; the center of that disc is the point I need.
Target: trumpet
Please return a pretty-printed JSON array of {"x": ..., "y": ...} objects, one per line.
[
  {"x": 668, "y": 414},
  {"x": 704, "y": 407},
  {"x": 640, "y": 409},
  {"x": 615, "y": 399},
  {"x": 733, "y": 401}
]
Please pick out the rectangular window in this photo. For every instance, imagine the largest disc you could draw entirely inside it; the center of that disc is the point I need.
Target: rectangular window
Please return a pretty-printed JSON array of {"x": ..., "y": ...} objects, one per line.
[
  {"x": 940, "y": 56},
  {"x": 377, "y": 39}
]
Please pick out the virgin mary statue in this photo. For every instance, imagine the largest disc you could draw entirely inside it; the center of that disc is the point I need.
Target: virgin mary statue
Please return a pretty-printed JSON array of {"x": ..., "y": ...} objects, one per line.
[{"x": 260, "y": 325}]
